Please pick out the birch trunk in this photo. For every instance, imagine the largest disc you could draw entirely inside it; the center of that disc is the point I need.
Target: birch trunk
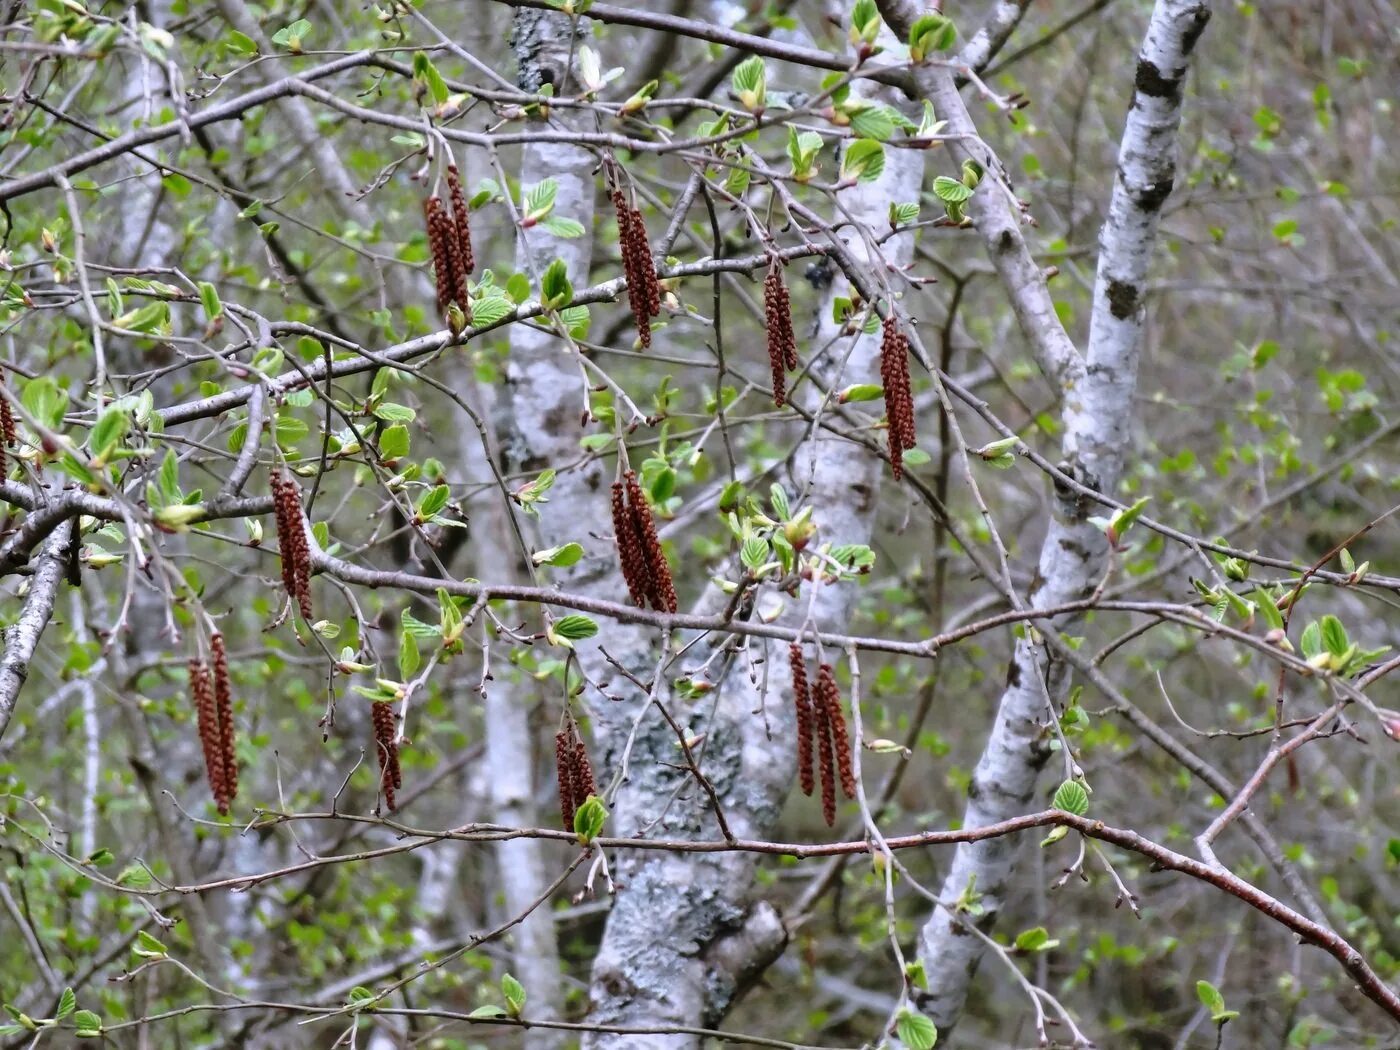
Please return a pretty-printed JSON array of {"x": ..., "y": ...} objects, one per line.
[
  {"x": 683, "y": 941},
  {"x": 1098, "y": 413}
]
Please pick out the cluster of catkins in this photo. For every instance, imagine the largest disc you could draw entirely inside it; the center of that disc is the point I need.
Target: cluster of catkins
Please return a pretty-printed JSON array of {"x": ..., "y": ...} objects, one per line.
[
  {"x": 450, "y": 241},
  {"x": 213, "y": 703},
  {"x": 899, "y": 399},
  {"x": 386, "y": 746},
  {"x": 576, "y": 781},
  {"x": 291, "y": 541},
  {"x": 644, "y": 564},
  {"x": 782, "y": 345},
  {"x": 821, "y": 727},
  {"x": 643, "y": 289}
]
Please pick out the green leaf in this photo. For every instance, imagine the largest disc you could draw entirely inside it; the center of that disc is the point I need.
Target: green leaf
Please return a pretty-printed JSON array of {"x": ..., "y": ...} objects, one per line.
[
  {"x": 872, "y": 122},
  {"x": 750, "y": 83},
  {"x": 87, "y": 1023},
  {"x": 950, "y": 191},
  {"x": 563, "y": 227},
  {"x": 915, "y": 1030},
  {"x": 67, "y": 1003},
  {"x": 589, "y": 819},
  {"x": 1036, "y": 939},
  {"x": 1311, "y": 641},
  {"x": 1272, "y": 617},
  {"x": 291, "y": 37},
  {"x": 1334, "y": 636},
  {"x": 391, "y": 412},
  {"x": 863, "y": 161},
  {"x": 409, "y": 657},
  {"x": 539, "y": 201},
  {"x": 134, "y": 875},
  {"x": 903, "y": 214},
  {"x": 426, "y": 77},
  {"x": 514, "y": 993},
  {"x": 778, "y": 497},
  {"x": 802, "y": 150},
  {"x": 148, "y": 947},
  {"x": 930, "y": 33},
  {"x": 575, "y": 627},
  {"x": 861, "y": 392},
  {"x": 493, "y": 308},
  {"x": 490, "y": 1010},
  {"x": 241, "y": 43},
  {"x": 431, "y": 503},
  {"x": 559, "y": 557},
  {"x": 209, "y": 298},
  {"x": 107, "y": 434},
  {"x": 1213, "y": 1001},
  {"x": 394, "y": 442},
  {"x": 518, "y": 288},
  {"x": 1071, "y": 798},
  {"x": 754, "y": 553},
  {"x": 45, "y": 401},
  {"x": 555, "y": 289}
]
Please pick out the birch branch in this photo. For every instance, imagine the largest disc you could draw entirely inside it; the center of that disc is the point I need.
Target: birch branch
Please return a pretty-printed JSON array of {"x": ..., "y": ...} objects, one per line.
[{"x": 23, "y": 638}]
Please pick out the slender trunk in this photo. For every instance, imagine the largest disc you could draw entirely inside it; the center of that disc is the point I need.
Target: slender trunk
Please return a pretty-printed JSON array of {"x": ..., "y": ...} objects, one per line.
[
  {"x": 1098, "y": 416},
  {"x": 683, "y": 940}
]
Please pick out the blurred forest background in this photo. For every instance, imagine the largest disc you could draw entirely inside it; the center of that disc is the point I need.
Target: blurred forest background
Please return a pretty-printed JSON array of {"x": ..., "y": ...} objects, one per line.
[{"x": 168, "y": 311}]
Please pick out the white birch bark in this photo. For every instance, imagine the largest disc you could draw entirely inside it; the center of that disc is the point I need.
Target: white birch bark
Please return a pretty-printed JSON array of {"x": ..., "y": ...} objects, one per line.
[
  {"x": 1098, "y": 412},
  {"x": 541, "y": 427},
  {"x": 682, "y": 940}
]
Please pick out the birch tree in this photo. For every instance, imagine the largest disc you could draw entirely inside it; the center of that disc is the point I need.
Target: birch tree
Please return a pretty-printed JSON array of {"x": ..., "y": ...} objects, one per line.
[{"x": 553, "y": 523}]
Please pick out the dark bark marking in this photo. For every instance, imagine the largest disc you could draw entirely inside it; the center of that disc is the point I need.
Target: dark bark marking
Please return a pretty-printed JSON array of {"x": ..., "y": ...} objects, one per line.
[
  {"x": 1152, "y": 81},
  {"x": 1193, "y": 32},
  {"x": 1123, "y": 299},
  {"x": 1152, "y": 197}
]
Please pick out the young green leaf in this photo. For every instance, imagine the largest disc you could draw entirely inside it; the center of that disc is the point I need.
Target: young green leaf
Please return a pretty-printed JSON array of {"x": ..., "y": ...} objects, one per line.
[
  {"x": 1071, "y": 798},
  {"x": 915, "y": 1030}
]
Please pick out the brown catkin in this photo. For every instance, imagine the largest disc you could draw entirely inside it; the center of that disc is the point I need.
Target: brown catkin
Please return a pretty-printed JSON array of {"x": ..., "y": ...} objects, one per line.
[
  {"x": 223, "y": 706},
  {"x": 802, "y": 701},
  {"x": 643, "y": 290},
  {"x": 662, "y": 588},
  {"x": 461, "y": 220},
  {"x": 777, "y": 312},
  {"x": 629, "y": 548},
  {"x": 564, "y": 759},
  {"x": 448, "y": 269},
  {"x": 825, "y": 761},
  {"x": 8, "y": 432},
  {"x": 210, "y": 742},
  {"x": 899, "y": 399},
  {"x": 584, "y": 784},
  {"x": 386, "y": 747},
  {"x": 829, "y": 696},
  {"x": 646, "y": 264},
  {"x": 291, "y": 541}
]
